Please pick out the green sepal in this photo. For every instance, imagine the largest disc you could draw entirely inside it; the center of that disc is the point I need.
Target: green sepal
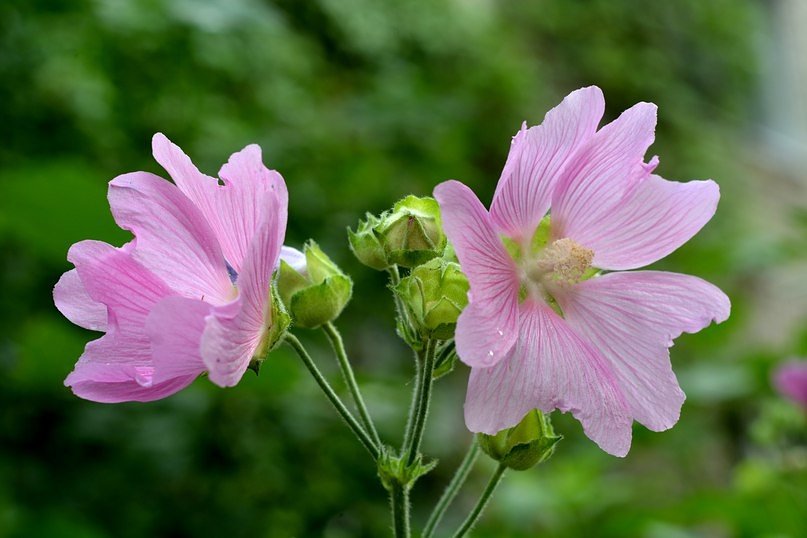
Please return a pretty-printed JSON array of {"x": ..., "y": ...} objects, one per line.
[
  {"x": 412, "y": 233},
  {"x": 445, "y": 361},
  {"x": 435, "y": 294},
  {"x": 392, "y": 469},
  {"x": 530, "y": 442},
  {"x": 366, "y": 243},
  {"x": 318, "y": 295},
  {"x": 281, "y": 321}
]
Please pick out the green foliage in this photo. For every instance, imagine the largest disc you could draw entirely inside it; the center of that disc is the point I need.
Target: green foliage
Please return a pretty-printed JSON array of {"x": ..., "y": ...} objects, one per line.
[{"x": 359, "y": 103}]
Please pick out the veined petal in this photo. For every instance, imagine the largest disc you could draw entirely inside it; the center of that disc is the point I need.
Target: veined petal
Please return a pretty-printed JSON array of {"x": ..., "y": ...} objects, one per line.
[
  {"x": 654, "y": 220},
  {"x": 129, "y": 391},
  {"x": 233, "y": 209},
  {"x": 233, "y": 332},
  {"x": 175, "y": 326},
  {"x": 632, "y": 319},
  {"x": 73, "y": 301},
  {"x": 550, "y": 368},
  {"x": 537, "y": 158},
  {"x": 487, "y": 328},
  {"x": 173, "y": 239},
  {"x": 294, "y": 258},
  {"x": 118, "y": 367},
  {"x": 602, "y": 173}
]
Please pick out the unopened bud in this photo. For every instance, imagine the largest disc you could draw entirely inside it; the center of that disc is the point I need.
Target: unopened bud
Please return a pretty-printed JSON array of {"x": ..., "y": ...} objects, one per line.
[
  {"x": 316, "y": 294},
  {"x": 530, "y": 442},
  {"x": 435, "y": 293},
  {"x": 366, "y": 244}
]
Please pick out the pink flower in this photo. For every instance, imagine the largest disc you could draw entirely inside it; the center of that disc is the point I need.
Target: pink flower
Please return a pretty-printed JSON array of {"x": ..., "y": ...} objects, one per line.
[
  {"x": 539, "y": 330},
  {"x": 191, "y": 292},
  {"x": 790, "y": 379}
]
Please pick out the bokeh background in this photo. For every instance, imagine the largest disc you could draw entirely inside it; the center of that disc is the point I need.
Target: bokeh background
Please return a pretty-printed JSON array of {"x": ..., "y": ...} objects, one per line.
[{"x": 357, "y": 103}]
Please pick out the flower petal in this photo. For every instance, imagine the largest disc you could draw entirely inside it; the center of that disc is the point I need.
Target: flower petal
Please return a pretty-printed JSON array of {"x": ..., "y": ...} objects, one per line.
[
  {"x": 175, "y": 326},
  {"x": 173, "y": 239},
  {"x": 75, "y": 304},
  {"x": 537, "y": 158},
  {"x": 128, "y": 391},
  {"x": 658, "y": 217},
  {"x": 231, "y": 209},
  {"x": 487, "y": 328},
  {"x": 294, "y": 258},
  {"x": 601, "y": 173},
  {"x": 550, "y": 368},
  {"x": 632, "y": 319},
  {"x": 233, "y": 332},
  {"x": 118, "y": 366}
]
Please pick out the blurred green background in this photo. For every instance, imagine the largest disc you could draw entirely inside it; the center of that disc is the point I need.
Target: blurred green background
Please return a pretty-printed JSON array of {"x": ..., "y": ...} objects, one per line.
[{"x": 357, "y": 103}]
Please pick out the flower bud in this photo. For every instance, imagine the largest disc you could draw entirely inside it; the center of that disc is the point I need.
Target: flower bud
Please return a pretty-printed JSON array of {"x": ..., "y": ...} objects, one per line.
[
  {"x": 412, "y": 233},
  {"x": 366, "y": 245},
  {"x": 530, "y": 442},
  {"x": 435, "y": 294},
  {"x": 317, "y": 294}
]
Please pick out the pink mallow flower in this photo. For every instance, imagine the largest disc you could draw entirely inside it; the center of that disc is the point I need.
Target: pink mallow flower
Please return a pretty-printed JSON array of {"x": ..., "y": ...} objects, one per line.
[
  {"x": 540, "y": 330},
  {"x": 191, "y": 292},
  {"x": 790, "y": 379}
]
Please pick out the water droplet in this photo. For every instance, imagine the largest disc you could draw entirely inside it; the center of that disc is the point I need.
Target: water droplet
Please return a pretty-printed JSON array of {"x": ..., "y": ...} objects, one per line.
[
  {"x": 490, "y": 353},
  {"x": 500, "y": 332}
]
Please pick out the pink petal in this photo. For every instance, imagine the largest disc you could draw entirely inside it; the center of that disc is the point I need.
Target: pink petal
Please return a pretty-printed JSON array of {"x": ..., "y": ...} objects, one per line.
[
  {"x": 654, "y": 220},
  {"x": 175, "y": 327},
  {"x": 173, "y": 239},
  {"x": 791, "y": 380},
  {"x": 537, "y": 158},
  {"x": 129, "y": 391},
  {"x": 76, "y": 305},
  {"x": 486, "y": 329},
  {"x": 602, "y": 173},
  {"x": 117, "y": 366},
  {"x": 234, "y": 332},
  {"x": 550, "y": 368},
  {"x": 294, "y": 258},
  {"x": 232, "y": 210},
  {"x": 632, "y": 319}
]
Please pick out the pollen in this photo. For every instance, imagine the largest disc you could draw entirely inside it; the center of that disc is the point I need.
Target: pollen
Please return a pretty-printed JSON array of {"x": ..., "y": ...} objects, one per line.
[{"x": 562, "y": 261}]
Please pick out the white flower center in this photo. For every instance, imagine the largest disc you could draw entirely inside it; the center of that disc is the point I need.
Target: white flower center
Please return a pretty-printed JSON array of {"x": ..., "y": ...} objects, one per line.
[{"x": 561, "y": 263}]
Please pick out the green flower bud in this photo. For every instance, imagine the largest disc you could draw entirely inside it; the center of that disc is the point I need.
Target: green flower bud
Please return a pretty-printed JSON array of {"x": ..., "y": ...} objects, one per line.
[
  {"x": 366, "y": 245},
  {"x": 316, "y": 295},
  {"x": 435, "y": 294},
  {"x": 530, "y": 442},
  {"x": 412, "y": 233}
]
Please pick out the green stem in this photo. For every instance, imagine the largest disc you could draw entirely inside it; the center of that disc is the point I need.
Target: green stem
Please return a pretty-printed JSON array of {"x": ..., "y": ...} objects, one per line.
[
  {"x": 410, "y": 419},
  {"x": 453, "y": 488},
  {"x": 472, "y": 518},
  {"x": 350, "y": 380},
  {"x": 399, "y": 499},
  {"x": 332, "y": 396},
  {"x": 412, "y": 448}
]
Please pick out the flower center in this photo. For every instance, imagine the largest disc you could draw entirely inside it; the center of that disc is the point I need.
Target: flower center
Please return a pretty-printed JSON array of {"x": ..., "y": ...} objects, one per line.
[{"x": 560, "y": 263}]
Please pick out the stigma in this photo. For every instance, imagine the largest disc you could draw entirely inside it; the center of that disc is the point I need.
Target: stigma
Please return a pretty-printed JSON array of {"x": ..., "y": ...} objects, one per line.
[{"x": 561, "y": 262}]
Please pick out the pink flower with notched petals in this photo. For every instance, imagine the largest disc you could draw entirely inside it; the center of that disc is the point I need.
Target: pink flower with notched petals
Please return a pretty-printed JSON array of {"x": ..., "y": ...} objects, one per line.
[
  {"x": 542, "y": 328},
  {"x": 790, "y": 380},
  {"x": 191, "y": 292}
]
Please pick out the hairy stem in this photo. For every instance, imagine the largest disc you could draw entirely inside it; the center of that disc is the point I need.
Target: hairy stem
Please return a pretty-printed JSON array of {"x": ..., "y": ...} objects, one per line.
[
  {"x": 399, "y": 499},
  {"x": 452, "y": 489},
  {"x": 350, "y": 380},
  {"x": 412, "y": 448},
  {"x": 351, "y": 421},
  {"x": 473, "y": 517}
]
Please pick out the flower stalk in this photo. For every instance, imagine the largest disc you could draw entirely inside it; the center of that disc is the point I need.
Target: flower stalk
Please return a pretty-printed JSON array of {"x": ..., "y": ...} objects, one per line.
[
  {"x": 350, "y": 380},
  {"x": 343, "y": 411},
  {"x": 460, "y": 475},
  {"x": 473, "y": 517}
]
